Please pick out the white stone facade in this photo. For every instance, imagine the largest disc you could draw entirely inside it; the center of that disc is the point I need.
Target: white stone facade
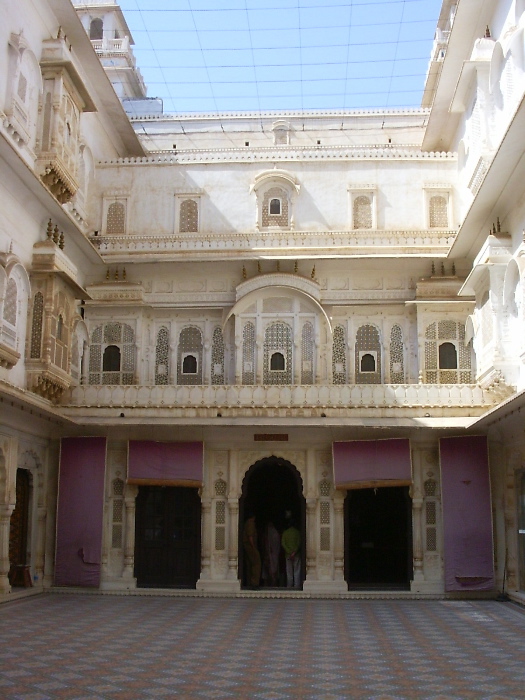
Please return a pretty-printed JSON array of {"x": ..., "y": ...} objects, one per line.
[{"x": 264, "y": 290}]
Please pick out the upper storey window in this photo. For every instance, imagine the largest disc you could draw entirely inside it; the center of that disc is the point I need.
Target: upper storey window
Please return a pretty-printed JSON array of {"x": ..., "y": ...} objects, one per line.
[
  {"x": 362, "y": 207},
  {"x": 24, "y": 87},
  {"x": 437, "y": 207},
  {"x": 96, "y": 29},
  {"x": 281, "y": 133},
  {"x": 116, "y": 217},
  {"x": 276, "y": 191},
  {"x": 189, "y": 216}
]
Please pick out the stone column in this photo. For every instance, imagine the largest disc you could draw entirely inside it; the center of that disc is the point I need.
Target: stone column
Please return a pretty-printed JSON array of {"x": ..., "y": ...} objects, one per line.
[
  {"x": 417, "y": 543},
  {"x": 311, "y": 539},
  {"x": 233, "y": 539},
  {"x": 5, "y": 521},
  {"x": 339, "y": 529},
  {"x": 206, "y": 539},
  {"x": 130, "y": 495}
]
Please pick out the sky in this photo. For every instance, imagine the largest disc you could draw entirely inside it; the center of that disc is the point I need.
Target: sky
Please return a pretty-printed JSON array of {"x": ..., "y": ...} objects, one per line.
[{"x": 272, "y": 55}]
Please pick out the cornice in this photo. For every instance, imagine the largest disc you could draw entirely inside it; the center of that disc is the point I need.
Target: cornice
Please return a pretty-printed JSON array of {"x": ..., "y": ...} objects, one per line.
[{"x": 281, "y": 153}]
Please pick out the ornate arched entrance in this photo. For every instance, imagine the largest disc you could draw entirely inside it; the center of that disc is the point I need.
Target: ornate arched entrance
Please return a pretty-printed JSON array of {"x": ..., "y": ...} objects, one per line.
[{"x": 272, "y": 488}]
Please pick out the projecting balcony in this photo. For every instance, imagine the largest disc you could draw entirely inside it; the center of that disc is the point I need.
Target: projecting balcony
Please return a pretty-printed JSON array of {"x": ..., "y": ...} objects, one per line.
[
  {"x": 428, "y": 242},
  {"x": 301, "y": 401}
]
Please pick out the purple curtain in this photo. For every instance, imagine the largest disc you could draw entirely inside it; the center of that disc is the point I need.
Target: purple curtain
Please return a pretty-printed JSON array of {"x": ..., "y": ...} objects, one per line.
[
  {"x": 467, "y": 514},
  {"x": 80, "y": 511},
  {"x": 367, "y": 463},
  {"x": 165, "y": 463}
]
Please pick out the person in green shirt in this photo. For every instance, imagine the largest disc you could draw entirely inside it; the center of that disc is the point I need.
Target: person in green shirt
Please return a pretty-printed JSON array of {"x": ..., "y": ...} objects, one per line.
[{"x": 291, "y": 542}]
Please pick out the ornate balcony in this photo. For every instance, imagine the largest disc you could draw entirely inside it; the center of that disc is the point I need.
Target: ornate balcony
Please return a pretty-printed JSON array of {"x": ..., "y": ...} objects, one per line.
[{"x": 299, "y": 401}]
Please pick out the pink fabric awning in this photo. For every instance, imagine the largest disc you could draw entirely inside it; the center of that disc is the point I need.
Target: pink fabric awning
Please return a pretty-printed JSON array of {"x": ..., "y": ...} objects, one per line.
[
  {"x": 80, "y": 511},
  {"x": 368, "y": 463},
  {"x": 165, "y": 463},
  {"x": 467, "y": 514}
]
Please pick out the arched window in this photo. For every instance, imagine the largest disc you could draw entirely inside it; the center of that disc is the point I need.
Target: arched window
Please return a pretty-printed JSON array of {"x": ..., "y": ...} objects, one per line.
[
  {"x": 275, "y": 207},
  {"x": 111, "y": 359},
  {"x": 278, "y": 354},
  {"x": 189, "y": 216},
  {"x": 162, "y": 357},
  {"x": 116, "y": 218},
  {"x": 438, "y": 211},
  {"x": 362, "y": 212},
  {"x": 189, "y": 356},
  {"x": 368, "y": 363},
  {"x": 448, "y": 356},
  {"x": 96, "y": 31},
  {"x": 189, "y": 365},
  {"x": 368, "y": 355},
  {"x": 10, "y": 302},
  {"x": 277, "y": 362}
]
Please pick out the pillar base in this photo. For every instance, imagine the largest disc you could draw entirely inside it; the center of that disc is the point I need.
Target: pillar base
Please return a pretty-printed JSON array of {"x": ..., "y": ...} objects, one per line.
[
  {"x": 221, "y": 586},
  {"x": 426, "y": 586},
  {"x": 325, "y": 587},
  {"x": 121, "y": 584}
]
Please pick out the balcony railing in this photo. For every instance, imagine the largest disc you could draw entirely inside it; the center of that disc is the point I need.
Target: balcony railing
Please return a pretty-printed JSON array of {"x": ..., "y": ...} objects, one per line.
[{"x": 343, "y": 397}]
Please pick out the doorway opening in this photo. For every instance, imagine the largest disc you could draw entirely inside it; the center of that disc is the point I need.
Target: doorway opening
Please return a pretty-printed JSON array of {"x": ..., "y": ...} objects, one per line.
[
  {"x": 378, "y": 537},
  {"x": 167, "y": 537},
  {"x": 272, "y": 491},
  {"x": 19, "y": 574}
]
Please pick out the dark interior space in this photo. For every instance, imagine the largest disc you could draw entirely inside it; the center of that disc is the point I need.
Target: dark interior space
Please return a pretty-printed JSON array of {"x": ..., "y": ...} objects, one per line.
[
  {"x": 272, "y": 489},
  {"x": 378, "y": 537}
]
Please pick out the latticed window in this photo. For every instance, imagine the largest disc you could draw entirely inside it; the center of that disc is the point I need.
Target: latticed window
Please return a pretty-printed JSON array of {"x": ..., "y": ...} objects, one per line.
[
  {"x": 189, "y": 216},
  {"x": 339, "y": 356},
  {"x": 444, "y": 345},
  {"x": 438, "y": 211},
  {"x": 10, "y": 302},
  {"x": 189, "y": 356},
  {"x": 397, "y": 362},
  {"x": 248, "y": 353},
  {"x": 278, "y": 354},
  {"x": 60, "y": 327},
  {"x": 36, "y": 329},
  {"x": 162, "y": 357},
  {"x": 116, "y": 218},
  {"x": 368, "y": 355},
  {"x": 307, "y": 354},
  {"x": 275, "y": 208},
  {"x": 362, "y": 212},
  {"x": 112, "y": 354},
  {"x": 217, "y": 357}
]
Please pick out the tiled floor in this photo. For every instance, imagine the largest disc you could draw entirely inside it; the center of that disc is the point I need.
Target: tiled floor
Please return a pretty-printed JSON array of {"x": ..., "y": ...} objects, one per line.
[{"x": 91, "y": 647}]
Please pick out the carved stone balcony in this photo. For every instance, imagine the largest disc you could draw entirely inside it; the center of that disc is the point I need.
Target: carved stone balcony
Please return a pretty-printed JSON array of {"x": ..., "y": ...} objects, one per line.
[
  {"x": 301, "y": 401},
  {"x": 430, "y": 242}
]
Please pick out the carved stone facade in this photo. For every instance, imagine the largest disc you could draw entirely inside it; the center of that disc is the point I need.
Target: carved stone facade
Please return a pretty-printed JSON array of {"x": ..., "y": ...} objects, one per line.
[{"x": 240, "y": 311}]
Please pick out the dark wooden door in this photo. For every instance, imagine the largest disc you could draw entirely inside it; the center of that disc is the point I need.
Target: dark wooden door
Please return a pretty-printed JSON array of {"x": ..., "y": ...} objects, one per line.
[{"x": 167, "y": 537}]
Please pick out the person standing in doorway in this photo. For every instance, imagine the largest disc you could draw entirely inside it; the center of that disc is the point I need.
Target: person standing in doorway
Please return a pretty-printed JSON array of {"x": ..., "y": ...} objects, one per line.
[
  {"x": 253, "y": 558},
  {"x": 291, "y": 542}
]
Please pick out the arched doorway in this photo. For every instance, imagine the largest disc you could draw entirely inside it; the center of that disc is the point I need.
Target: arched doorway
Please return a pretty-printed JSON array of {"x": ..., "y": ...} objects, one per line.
[
  {"x": 378, "y": 537},
  {"x": 272, "y": 488}
]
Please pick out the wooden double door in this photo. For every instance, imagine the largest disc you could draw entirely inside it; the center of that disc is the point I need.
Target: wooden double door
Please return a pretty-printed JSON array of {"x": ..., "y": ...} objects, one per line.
[{"x": 167, "y": 537}]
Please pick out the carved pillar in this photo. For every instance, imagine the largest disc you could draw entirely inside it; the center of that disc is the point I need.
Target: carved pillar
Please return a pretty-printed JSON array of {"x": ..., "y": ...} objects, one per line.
[
  {"x": 40, "y": 544},
  {"x": 206, "y": 539},
  {"x": 130, "y": 495},
  {"x": 106, "y": 535},
  {"x": 233, "y": 539},
  {"x": 311, "y": 539},
  {"x": 5, "y": 519},
  {"x": 417, "y": 542},
  {"x": 339, "y": 530}
]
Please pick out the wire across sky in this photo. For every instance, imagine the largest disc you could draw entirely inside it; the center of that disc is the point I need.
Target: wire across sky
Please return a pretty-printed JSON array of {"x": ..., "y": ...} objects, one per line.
[{"x": 273, "y": 55}]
